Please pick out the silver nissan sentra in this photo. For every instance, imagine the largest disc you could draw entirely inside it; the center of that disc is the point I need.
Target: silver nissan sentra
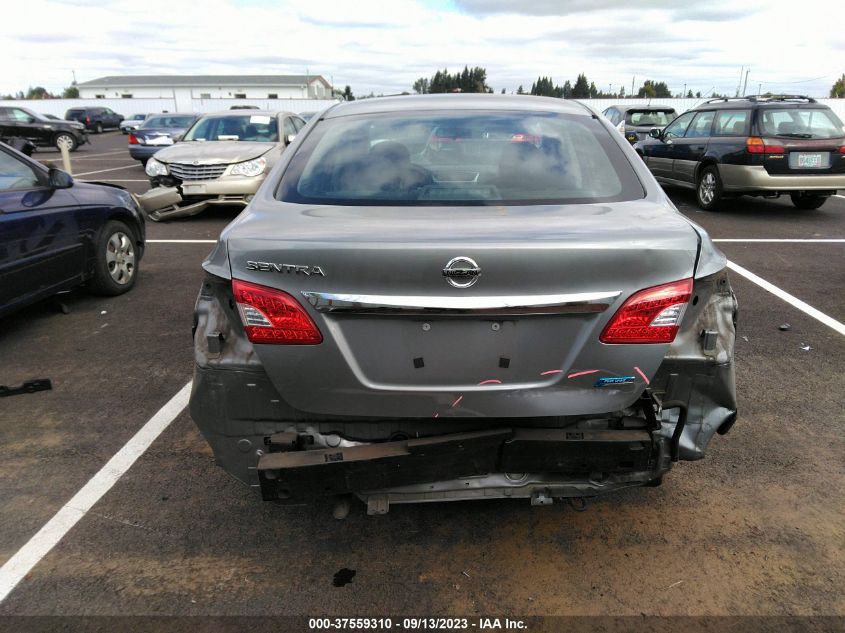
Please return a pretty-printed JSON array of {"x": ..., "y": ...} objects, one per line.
[{"x": 452, "y": 297}]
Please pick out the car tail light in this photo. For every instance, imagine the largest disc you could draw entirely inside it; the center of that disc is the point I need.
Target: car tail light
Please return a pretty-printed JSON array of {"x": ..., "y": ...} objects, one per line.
[
  {"x": 88, "y": 119},
  {"x": 272, "y": 316},
  {"x": 652, "y": 315},
  {"x": 757, "y": 145},
  {"x": 842, "y": 150},
  {"x": 133, "y": 140}
]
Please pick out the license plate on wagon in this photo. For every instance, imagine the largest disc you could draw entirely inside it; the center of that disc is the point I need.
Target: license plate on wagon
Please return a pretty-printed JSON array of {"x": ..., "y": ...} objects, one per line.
[{"x": 809, "y": 160}]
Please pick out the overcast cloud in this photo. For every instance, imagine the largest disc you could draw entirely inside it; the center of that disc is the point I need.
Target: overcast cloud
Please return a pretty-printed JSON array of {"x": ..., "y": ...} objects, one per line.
[{"x": 382, "y": 46}]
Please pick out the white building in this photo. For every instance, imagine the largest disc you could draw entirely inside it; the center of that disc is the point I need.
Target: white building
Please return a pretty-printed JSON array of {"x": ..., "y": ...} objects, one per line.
[{"x": 183, "y": 88}]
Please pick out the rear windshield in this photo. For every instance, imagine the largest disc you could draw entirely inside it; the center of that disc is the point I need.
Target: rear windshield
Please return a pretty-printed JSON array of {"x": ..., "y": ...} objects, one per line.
[
  {"x": 168, "y": 121},
  {"x": 455, "y": 158},
  {"x": 657, "y": 118},
  {"x": 799, "y": 123},
  {"x": 235, "y": 127},
  {"x": 72, "y": 112}
]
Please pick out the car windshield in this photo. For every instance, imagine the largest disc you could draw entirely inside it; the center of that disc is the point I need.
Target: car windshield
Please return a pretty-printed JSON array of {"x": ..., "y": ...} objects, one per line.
[
  {"x": 168, "y": 121},
  {"x": 235, "y": 127},
  {"x": 455, "y": 158},
  {"x": 138, "y": 117},
  {"x": 800, "y": 123},
  {"x": 656, "y": 118}
]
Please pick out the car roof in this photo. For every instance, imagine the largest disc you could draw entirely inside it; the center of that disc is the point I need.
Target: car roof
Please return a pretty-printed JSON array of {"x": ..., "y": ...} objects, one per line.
[
  {"x": 645, "y": 108},
  {"x": 734, "y": 103},
  {"x": 248, "y": 113},
  {"x": 408, "y": 103}
]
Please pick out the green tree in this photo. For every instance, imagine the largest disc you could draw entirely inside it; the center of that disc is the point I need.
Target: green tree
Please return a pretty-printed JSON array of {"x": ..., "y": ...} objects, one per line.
[
  {"x": 468, "y": 80},
  {"x": 520, "y": 90},
  {"x": 421, "y": 86},
  {"x": 593, "y": 90},
  {"x": 567, "y": 89},
  {"x": 347, "y": 94},
  {"x": 581, "y": 89},
  {"x": 837, "y": 91},
  {"x": 689, "y": 94},
  {"x": 698, "y": 95},
  {"x": 71, "y": 92},
  {"x": 652, "y": 89},
  {"x": 622, "y": 92},
  {"x": 39, "y": 92}
]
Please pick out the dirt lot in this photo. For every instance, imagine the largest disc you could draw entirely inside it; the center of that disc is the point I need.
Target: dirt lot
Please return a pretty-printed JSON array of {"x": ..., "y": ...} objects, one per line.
[{"x": 757, "y": 528}]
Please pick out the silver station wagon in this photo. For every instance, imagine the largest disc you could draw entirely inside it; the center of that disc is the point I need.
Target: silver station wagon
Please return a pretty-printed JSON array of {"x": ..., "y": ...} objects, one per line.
[{"x": 452, "y": 297}]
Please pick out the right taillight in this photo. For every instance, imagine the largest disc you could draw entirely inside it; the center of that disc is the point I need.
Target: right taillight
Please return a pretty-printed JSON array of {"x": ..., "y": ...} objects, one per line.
[
  {"x": 273, "y": 317},
  {"x": 757, "y": 145},
  {"x": 133, "y": 140},
  {"x": 88, "y": 119},
  {"x": 652, "y": 315}
]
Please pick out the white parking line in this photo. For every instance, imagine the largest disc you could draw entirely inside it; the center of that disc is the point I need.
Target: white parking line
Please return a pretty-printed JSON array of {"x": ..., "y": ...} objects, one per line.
[
  {"x": 54, "y": 530},
  {"x": 181, "y": 241},
  {"x": 82, "y": 156},
  {"x": 114, "y": 180},
  {"x": 833, "y": 240},
  {"x": 836, "y": 195},
  {"x": 791, "y": 300},
  {"x": 102, "y": 171}
]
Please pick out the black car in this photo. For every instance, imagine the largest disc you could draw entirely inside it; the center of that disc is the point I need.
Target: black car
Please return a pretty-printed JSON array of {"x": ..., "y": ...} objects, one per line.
[
  {"x": 635, "y": 121},
  {"x": 56, "y": 233},
  {"x": 759, "y": 146},
  {"x": 96, "y": 119},
  {"x": 22, "y": 123}
]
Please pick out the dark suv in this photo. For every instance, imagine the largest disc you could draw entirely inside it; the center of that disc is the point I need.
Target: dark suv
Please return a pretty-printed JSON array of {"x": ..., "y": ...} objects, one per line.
[
  {"x": 22, "y": 123},
  {"x": 759, "y": 146},
  {"x": 96, "y": 119},
  {"x": 635, "y": 122}
]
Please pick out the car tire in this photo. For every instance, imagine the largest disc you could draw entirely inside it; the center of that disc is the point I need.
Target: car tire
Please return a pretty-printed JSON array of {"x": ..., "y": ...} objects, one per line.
[
  {"x": 65, "y": 139},
  {"x": 98, "y": 128},
  {"x": 807, "y": 201},
  {"x": 708, "y": 188},
  {"x": 116, "y": 265},
  {"x": 144, "y": 161}
]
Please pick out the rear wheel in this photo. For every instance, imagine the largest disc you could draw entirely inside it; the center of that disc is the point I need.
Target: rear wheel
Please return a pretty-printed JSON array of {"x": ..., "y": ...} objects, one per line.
[
  {"x": 807, "y": 201},
  {"x": 708, "y": 189},
  {"x": 63, "y": 139},
  {"x": 116, "y": 267},
  {"x": 98, "y": 128}
]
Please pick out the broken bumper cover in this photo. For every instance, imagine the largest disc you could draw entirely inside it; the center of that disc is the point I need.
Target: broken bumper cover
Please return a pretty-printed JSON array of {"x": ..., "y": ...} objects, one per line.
[{"x": 165, "y": 203}]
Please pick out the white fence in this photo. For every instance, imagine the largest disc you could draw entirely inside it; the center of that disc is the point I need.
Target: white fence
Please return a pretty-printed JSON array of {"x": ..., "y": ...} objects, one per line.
[{"x": 126, "y": 107}]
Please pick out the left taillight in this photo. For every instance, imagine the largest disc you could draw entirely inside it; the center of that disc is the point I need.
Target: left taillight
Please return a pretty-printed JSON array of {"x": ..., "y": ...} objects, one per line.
[
  {"x": 652, "y": 315},
  {"x": 273, "y": 317},
  {"x": 133, "y": 140}
]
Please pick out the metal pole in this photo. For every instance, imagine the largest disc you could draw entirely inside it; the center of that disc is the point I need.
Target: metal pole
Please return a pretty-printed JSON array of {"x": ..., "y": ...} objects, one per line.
[
  {"x": 65, "y": 158},
  {"x": 745, "y": 86}
]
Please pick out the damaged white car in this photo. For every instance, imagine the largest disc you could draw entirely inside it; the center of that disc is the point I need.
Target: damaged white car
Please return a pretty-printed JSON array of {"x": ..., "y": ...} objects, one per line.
[{"x": 222, "y": 159}]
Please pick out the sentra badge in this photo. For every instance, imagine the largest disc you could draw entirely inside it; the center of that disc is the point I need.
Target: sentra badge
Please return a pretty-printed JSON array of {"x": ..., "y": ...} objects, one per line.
[{"x": 294, "y": 269}]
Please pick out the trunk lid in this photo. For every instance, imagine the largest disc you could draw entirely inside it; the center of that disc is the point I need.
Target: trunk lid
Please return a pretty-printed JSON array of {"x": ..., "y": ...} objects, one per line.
[{"x": 400, "y": 341}]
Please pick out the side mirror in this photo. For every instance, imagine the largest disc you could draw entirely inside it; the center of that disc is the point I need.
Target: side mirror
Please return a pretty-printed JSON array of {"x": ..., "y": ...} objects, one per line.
[
  {"x": 289, "y": 138},
  {"x": 60, "y": 179},
  {"x": 655, "y": 132}
]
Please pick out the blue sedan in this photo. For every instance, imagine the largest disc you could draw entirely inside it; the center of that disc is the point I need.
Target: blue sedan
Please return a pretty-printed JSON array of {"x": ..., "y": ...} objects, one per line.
[{"x": 56, "y": 234}]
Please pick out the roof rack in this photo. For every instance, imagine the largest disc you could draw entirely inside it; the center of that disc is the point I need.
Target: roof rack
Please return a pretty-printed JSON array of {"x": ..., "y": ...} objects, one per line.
[{"x": 764, "y": 98}]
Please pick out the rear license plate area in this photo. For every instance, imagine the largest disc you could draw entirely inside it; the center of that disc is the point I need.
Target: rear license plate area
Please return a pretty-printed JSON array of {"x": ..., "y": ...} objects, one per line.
[{"x": 809, "y": 160}]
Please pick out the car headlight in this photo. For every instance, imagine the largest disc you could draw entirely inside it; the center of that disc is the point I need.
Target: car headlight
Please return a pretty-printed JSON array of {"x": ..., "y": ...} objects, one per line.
[
  {"x": 254, "y": 167},
  {"x": 156, "y": 168}
]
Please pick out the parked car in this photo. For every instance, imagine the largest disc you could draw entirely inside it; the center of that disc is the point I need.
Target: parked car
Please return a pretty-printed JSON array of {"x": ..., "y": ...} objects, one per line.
[
  {"x": 159, "y": 130},
  {"x": 133, "y": 122},
  {"x": 57, "y": 233},
  {"x": 635, "y": 122},
  {"x": 535, "y": 320},
  {"x": 221, "y": 160},
  {"x": 244, "y": 107},
  {"x": 759, "y": 146},
  {"x": 17, "y": 122},
  {"x": 96, "y": 119}
]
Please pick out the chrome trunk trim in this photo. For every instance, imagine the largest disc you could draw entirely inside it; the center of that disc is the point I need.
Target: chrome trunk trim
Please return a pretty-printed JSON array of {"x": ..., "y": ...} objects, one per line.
[{"x": 573, "y": 303}]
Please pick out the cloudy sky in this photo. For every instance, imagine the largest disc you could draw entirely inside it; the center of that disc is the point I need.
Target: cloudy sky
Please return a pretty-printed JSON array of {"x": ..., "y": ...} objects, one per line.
[{"x": 384, "y": 45}]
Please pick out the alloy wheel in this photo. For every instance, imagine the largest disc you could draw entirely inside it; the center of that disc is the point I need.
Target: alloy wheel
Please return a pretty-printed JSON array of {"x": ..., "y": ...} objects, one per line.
[{"x": 120, "y": 258}]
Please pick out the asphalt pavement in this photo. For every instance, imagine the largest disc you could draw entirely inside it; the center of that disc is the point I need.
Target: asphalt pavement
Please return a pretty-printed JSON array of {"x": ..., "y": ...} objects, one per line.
[{"x": 756, "y": 528}]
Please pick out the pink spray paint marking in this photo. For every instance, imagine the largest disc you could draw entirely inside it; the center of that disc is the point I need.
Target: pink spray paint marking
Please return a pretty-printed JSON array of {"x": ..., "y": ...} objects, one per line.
[
  {"x": 583, "y": 373},
  {"x": 491, "y": 381},
  {"x": 457, "y": 402},
  {"x": 551, "y": 371},
  {"x": 640, "y": 372}
]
